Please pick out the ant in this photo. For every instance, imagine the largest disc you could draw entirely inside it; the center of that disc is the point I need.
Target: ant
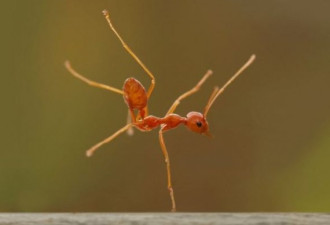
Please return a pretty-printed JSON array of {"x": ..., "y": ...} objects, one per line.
[{"x": 136, "y": 98}]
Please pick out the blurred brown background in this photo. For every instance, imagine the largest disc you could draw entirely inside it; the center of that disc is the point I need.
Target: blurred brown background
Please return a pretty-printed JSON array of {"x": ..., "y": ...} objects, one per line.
[{"x": 271, "y": 145}]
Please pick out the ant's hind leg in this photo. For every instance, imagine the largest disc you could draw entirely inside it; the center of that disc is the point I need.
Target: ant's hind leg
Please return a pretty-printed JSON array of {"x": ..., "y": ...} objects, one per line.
[
  {"x": 129, "y": 50},
  {"x": 90, "y": 151},
  {"x": 190, "y": 92},
  {"x": 90, "y": 82}
]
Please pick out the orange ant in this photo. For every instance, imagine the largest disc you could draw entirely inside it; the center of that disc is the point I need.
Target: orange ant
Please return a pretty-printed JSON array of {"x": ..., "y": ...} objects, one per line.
[{"x": 136, "y": 98}]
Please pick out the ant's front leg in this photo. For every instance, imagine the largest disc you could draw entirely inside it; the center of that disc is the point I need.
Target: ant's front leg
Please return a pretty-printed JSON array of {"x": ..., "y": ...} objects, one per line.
[
  {"x": 167, "y": 161},
  {"x": 190, "y": 92}
]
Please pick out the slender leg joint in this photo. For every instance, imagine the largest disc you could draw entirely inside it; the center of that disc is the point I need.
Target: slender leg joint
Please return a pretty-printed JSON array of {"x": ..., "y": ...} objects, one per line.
[{"x": 106, "y": 13}]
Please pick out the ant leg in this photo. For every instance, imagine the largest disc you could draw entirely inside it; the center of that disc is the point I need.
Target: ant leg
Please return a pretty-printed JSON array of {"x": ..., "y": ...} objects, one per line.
[
  {"x": 130, "y": 131},
  {"x": 167, "y": 161},
  {"x": 190, "y": 92},
  {"x": 90, "y": 151},
  {"x": 153, "y": 82},
  {"x": 90, "y": 82},
  {"x": 131, "y": 113}
]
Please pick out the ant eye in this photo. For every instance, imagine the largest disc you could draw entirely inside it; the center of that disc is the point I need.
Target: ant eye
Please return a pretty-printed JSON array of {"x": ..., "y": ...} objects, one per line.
[{"x": 198, "y": 123}]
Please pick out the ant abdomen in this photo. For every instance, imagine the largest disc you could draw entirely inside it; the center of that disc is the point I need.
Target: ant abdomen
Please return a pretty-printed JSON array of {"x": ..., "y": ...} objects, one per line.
[{"x": 135, "y": 95}]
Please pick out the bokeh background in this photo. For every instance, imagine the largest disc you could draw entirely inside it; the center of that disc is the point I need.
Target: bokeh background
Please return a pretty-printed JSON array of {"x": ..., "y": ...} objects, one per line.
[{"x": 271, "y": 145}]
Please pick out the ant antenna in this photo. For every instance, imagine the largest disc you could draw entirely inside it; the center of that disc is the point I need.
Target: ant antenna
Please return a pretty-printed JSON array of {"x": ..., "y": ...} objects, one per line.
[{"x": 216, "y": 92}]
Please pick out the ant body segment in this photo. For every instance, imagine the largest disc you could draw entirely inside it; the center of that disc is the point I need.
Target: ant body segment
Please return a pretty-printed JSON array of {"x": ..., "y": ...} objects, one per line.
[{"x": 136, "y": 98}]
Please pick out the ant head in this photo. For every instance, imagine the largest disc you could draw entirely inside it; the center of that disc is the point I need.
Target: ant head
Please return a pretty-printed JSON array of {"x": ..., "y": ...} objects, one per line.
[{"x": 196, "y": 122}]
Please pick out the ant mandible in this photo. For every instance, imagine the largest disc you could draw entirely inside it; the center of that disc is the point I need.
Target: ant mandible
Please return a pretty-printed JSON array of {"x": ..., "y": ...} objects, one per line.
[{"x": 136, "y": 98}]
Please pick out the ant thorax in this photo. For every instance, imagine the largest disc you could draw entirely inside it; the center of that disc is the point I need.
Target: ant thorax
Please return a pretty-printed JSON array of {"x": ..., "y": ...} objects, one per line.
[{"x": 168, "y": 122}]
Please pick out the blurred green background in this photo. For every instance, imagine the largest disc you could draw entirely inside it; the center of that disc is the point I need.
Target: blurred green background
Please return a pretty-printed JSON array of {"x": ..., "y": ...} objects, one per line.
[{"x": 271, "y": 145}]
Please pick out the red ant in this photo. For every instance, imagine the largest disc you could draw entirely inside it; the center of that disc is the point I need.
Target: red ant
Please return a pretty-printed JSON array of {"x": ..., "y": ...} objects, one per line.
[{"x": 136, "y": 98}]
